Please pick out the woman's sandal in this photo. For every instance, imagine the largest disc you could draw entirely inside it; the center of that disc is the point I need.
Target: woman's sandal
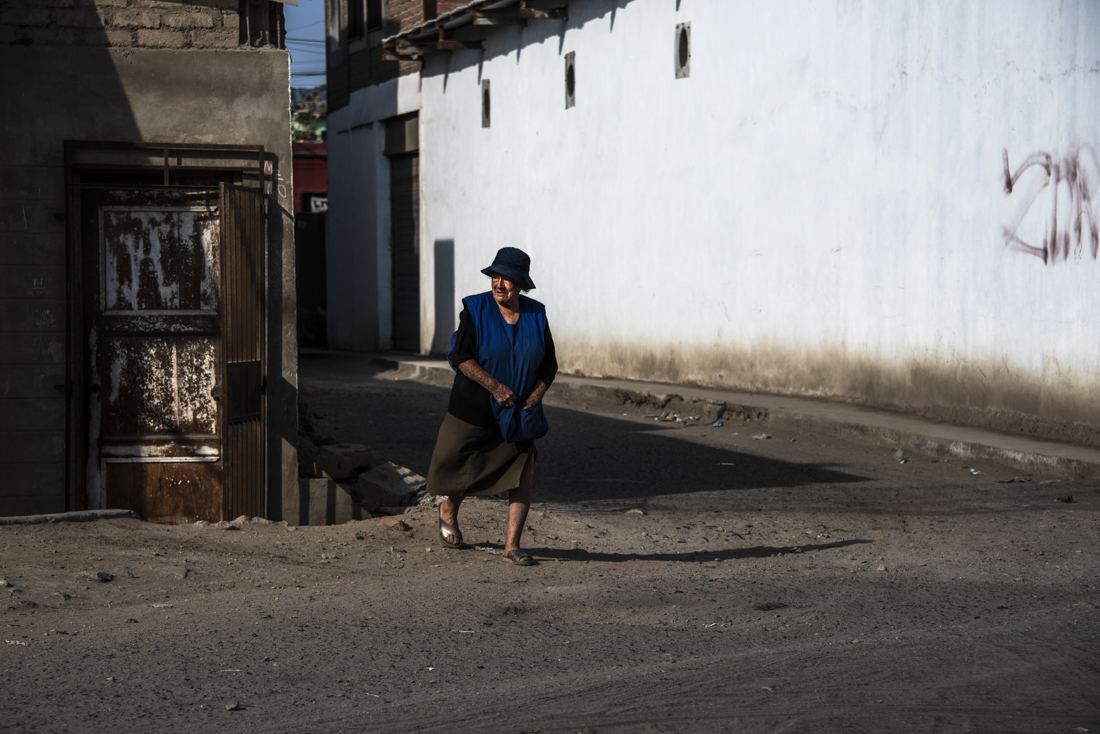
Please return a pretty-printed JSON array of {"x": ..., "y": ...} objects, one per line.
[
  {"x": 519, "y": 557},
  {"x": 446, "y": 530}
]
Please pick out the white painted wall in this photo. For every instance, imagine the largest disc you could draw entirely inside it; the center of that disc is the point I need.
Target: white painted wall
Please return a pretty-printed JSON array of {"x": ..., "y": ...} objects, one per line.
[
  {"x": 358, "y": 221},
  {"x": 819, "y": 208}
]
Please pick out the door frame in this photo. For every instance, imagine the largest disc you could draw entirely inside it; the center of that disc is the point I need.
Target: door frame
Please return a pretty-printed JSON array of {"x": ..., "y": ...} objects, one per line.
[{"x": 88, "y": 164}]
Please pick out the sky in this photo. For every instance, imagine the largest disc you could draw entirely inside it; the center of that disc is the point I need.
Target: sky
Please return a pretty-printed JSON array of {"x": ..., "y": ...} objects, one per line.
[{"x": 305, "y": 39}]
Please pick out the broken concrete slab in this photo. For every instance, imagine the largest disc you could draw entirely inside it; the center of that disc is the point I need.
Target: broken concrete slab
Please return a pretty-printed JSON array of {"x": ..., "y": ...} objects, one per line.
[
  {"x": 307, "y": 452},
  {"x": 321, "y": 501},
  {"x": 387, "y": 485},
  {"x": 339, "y": 461}
]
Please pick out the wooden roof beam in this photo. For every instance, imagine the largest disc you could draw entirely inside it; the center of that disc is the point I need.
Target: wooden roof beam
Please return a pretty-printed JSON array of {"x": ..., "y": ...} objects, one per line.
[
  {"x": 449, "y": 44},
  {"x": 405, "y": 52},
  {"x": 526, "y": 13},
  {"x": 522, "y": 13},
  {"x": 491, "y": 18}
]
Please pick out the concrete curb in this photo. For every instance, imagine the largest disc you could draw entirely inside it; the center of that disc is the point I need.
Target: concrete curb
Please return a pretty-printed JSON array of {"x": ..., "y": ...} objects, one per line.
[
  {"x": 80, "y": 516},
  {"x": 806, "y": 415},
  {"x": 938, "y": 447}
]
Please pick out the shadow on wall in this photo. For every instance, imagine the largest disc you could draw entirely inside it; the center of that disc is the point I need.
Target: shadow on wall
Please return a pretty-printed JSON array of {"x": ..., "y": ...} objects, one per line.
[
  {"x": 444, "y": 296},
  {"x": 69, "y": 79}
]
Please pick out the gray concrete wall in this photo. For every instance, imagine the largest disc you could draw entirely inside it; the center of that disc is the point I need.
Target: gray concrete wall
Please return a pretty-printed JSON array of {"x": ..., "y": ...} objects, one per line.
[
  {"x": 124, "y": 94},
  {"x": 121, "y": 23}
]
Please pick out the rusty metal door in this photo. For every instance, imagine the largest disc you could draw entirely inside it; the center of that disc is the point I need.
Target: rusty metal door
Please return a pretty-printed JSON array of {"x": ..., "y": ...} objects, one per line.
[
  {"x": 174, "y": 352},
  {"x": 153, "y": 346},
  {"x": 243, "y": 245}
]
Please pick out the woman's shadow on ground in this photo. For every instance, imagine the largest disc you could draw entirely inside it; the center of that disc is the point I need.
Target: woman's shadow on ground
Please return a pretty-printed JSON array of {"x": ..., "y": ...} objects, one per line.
[
  {"x": 697, "y": 556},
  {"x": 589, "y": 458}
]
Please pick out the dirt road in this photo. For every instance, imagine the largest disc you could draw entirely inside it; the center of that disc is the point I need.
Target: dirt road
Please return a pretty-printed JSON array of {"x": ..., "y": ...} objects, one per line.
[{"x": 690, "y": 580}]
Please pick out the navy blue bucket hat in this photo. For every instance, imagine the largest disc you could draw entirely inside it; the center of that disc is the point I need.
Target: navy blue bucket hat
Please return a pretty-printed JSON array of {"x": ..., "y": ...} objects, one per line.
[{"x": 513, "y": 263}]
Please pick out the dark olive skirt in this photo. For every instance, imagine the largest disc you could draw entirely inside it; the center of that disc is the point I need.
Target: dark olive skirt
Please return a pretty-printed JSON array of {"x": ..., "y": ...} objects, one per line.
[{"x": 475, "y": 461}]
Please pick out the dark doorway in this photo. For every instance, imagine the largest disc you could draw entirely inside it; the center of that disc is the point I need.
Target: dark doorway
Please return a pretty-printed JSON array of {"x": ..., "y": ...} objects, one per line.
[
  {"x": 402, "y": 146},
  {"x": 311, "y": 285},
  {"x": 405, "y": 251}
]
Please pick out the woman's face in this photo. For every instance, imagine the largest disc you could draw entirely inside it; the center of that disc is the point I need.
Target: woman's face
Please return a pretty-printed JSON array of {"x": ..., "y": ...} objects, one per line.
[{"x": 505, "y": 290}]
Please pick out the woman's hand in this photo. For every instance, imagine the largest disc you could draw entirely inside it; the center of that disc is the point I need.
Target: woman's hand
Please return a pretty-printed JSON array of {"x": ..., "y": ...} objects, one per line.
[
  {"x": 504, "y": 395},
  {"x": 536, "y": 395},
  {"x": 500, "y": 392}
]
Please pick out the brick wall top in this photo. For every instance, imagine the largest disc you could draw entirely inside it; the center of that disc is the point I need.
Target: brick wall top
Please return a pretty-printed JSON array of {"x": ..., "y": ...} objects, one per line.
[
  {"x": 446, "y": 6},
  {"x": 402, "y": 14},
  {"x": 178, "y": 24}
]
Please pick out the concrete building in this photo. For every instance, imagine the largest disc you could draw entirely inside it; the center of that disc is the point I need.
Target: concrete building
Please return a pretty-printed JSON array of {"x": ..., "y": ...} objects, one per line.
[
  {"x": 886, "y": 203},
  {"x": 147, "y": 340}
]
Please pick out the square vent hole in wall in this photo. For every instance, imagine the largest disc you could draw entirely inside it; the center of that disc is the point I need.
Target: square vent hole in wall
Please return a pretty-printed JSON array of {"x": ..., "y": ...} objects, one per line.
[
  {"x": 485, "y": 105},
  {"x": 683, "y": 50},
  {"x": 570, "y": 80}
]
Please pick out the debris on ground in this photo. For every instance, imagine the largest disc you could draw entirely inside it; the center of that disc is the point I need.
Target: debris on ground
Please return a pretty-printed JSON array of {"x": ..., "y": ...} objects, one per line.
[{"x": 374, "y": 485}]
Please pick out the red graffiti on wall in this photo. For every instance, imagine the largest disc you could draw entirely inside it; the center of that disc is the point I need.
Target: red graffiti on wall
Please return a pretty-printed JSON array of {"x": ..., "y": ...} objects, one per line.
[{"x": 1055, "y": 204}]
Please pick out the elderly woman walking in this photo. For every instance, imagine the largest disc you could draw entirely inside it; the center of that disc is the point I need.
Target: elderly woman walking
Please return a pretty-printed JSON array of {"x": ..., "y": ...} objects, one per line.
[{"x": 503, "y": 356}]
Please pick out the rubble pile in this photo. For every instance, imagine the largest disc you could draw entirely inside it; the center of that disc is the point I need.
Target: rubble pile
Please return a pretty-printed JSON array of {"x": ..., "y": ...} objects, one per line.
[
  {"x": 331, "y": 472},
  {"x": 690, "y": 411}
]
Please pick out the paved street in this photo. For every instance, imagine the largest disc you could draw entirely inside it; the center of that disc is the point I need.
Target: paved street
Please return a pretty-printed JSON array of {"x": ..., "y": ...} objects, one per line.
[{"x": 691, "y": 579}]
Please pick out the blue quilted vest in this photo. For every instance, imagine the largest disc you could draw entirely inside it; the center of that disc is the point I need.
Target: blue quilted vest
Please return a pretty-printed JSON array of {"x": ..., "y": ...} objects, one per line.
[{"x": 511, "y": 354}]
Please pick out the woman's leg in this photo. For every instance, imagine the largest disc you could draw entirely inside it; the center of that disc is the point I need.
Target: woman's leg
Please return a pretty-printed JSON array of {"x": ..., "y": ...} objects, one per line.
[
  {"x": 448, "y": 513},
  {"x": 519, "y": 502}
]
